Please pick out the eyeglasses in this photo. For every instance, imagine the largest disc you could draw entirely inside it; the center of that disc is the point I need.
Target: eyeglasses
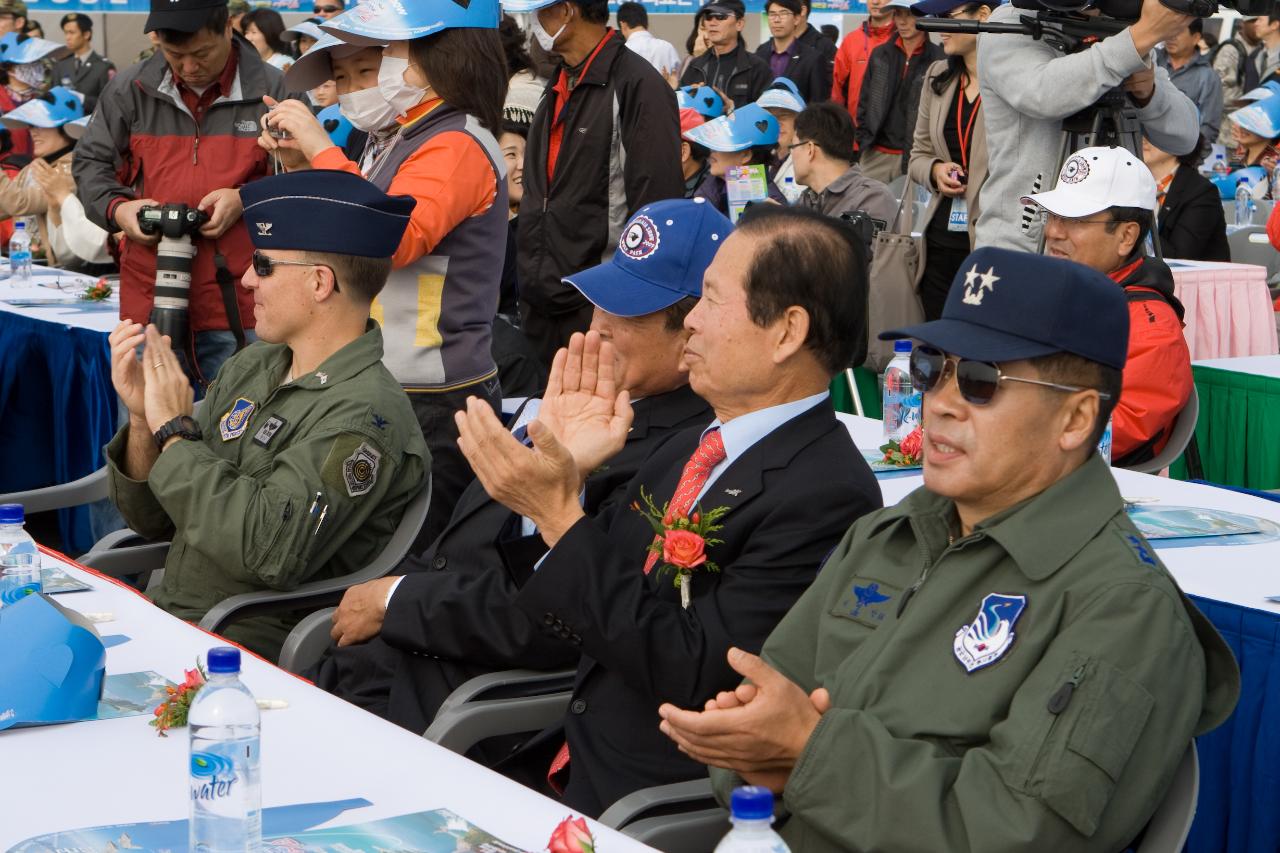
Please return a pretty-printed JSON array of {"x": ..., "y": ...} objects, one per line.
[
  {"x": 265, "y": 267},
  {"x": 977, "y": 380},
  {"x": 325, "y": 10},
  {"x": 1068, "y": 222},
  {"x": 797, "y": 143},
  {"x": 780, "y": 15}
]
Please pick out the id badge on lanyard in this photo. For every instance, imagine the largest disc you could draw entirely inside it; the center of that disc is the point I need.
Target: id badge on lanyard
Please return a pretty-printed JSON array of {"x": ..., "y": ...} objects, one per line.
[{"x": 959, "y": 219}]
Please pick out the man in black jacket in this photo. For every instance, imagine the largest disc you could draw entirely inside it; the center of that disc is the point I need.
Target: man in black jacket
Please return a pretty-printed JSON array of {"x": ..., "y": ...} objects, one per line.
[
  {"x": 797, "y": 51},
  {"x": 728, "y": 66},
  {"x": 605, "y": 141},
  {"x": 450, "y": 617},
  {"x": 744, "y": 511},
  {"x": 890, "y": 97}
]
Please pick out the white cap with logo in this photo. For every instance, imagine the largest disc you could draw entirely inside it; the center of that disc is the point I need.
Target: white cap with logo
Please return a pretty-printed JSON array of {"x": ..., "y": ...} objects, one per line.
[{"x": 1095, "y": 179}]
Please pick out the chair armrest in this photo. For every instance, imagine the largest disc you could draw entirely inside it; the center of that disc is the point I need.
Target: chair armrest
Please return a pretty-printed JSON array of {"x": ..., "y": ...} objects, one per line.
[
  {"x": 127, "y": 561},
  {"x": 509, "y": 684},
  {"x": 89, "y": 488},
  {"x": 462, "y": 727},
  {"x": 307, "y": 641},
  {"x": 695, "y": 792}
]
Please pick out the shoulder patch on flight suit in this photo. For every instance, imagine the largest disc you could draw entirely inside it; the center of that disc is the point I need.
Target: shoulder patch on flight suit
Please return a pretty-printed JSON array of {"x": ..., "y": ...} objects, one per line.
[
  {"x": 232, "y": 425},
  {"x": 1140, "y": 548},
  {"x": 352, "y": 464},
  {"x": 985, "y": 640},
  {"x": 867, "y": 601}
]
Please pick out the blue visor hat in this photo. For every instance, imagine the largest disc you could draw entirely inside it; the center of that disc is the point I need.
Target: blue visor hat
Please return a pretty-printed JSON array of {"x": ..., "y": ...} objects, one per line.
[
  {"x": 19, "y": 50},
  {"x": 55, "y": 108},
  {"x": 703, "y": 100},
  {"x": 374, "y": 22},
  {"x": 782, "y": 94},
  {"x": 748, "y": 126},
  {"x": 75, "y": 129},
  {"x": 316, "y": 65},
  {"x": 1262, "y": 117},
  {"x": 307, "y": 29},
  {"x": 1007, "y": 306},
  {"x": 518, "y": 6},
  {"x": 335, "y": 124},
  {"x": 52, "y": 667},
  {"x": 1266, "y": 90},
  {"x": 661, "y": 257}
]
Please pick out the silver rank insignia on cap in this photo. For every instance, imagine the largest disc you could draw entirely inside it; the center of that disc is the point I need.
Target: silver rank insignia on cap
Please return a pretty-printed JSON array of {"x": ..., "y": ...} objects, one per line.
[
  {"x": 360, "y": 470},
  {"x": 232, "y": 425}
]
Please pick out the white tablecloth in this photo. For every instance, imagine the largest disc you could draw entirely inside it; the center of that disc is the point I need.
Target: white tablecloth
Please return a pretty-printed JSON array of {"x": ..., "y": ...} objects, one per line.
[
  {"x": 62, "y": 287},
  {"x": 1239, "y": 574},
  {"x": 319, "y": 748},
  {"x": 1257, "y": 365}
]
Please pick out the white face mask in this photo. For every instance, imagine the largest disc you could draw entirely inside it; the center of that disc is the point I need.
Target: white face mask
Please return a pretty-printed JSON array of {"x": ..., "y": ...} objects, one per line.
[
  {"x": 367, "y": 110},
  {"x": 391, "y": 83},
  {"x": 546, "y": 40}
]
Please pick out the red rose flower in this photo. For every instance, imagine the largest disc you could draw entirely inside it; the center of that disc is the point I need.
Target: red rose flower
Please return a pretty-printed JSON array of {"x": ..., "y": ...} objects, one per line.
[
  {"x": 571, "y": 836},
  {"x": 913, "y": 444},
  {"x": 684, "y": 549}
]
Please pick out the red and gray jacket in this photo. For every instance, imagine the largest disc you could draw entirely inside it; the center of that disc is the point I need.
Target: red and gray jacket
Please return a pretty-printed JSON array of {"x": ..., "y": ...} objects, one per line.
[{"x": 143, "y": 142}]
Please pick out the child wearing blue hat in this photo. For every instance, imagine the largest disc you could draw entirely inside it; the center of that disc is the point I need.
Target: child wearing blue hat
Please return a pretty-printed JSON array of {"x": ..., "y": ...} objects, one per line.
[
  {"x": 746, "y": 137},
  {"x": 783, "y": 101},
  {"x": 1255, "y": 129}
]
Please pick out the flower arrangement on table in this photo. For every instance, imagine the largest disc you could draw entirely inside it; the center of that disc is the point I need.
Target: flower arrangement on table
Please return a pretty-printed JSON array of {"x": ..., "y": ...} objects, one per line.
[
  {"x": 99, "y": 291},
  {"x": 907, "y": 453},
  {"x": 571, "y": 836},
  {"x": 681, "y": 541},
  {"x": 172, "y": 712}
]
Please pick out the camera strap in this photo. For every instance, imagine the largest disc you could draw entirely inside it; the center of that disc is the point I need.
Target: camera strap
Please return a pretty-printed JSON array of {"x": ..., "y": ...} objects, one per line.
[{"x": 227, "y": 286}]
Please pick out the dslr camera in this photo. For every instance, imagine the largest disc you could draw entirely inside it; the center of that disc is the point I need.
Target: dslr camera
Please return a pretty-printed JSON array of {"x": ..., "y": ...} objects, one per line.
[{"x": 177, "y": 226}]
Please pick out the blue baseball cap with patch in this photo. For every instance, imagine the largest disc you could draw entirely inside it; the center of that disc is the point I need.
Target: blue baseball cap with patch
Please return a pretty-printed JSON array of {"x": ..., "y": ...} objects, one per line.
[
  {"x": 373, "y": 22},
  {"x": 55, "y": 108},
  {"x": 323, "y": 210},
  {"x": 782, "y": 94},
  {"x": 661, "y": 257},
  {"x": 1007, "y": 306},
  {"x": 746, "y": 127},
  {"x": 703, "y": 100}
]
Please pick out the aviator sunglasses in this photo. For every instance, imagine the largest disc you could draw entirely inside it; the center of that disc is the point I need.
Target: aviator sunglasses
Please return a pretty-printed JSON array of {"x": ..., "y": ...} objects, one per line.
[
  {"x": 264, "y": 267},
  {"x": 977, "y": 380}
]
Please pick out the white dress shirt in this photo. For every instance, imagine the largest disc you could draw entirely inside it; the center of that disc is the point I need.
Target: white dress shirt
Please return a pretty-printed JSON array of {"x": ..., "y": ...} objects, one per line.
[{"x": 660, "y": 54}]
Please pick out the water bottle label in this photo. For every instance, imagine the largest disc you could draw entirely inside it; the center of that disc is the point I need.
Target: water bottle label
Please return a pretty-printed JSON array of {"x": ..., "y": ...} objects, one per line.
[
  {"x": 220, "y": 777},
  {"x": 17, "y": 583}
]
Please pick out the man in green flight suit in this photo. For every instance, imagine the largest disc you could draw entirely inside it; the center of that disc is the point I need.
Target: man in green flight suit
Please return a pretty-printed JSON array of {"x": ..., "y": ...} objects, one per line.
[
  {"x": 999, "y": 662},
  {"x": 306, "y": 450}
]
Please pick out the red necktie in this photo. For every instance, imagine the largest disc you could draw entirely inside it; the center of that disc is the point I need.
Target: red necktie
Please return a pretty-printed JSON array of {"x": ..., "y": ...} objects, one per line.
[{"x": 709, "y": 454}]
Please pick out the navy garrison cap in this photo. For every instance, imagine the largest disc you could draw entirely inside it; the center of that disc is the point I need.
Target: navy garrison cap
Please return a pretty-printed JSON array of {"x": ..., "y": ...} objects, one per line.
[
  {"x": 322, "y": 210},
  {"x": 1007, "y": 306}
]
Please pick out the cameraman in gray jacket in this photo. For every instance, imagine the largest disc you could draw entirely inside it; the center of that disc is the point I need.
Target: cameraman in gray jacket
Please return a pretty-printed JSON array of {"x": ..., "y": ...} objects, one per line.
[{"x": 1029, "y": 87}]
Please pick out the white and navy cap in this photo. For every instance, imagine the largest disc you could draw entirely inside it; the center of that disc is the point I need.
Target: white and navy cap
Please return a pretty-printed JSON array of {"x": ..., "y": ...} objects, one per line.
[{"x": 1095, "y": 179}]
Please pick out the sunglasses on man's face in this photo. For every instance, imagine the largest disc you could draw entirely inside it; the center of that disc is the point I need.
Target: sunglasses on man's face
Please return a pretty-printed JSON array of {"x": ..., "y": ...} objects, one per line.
[
  {"x": 977, "y": 380},
  {"x": 265, "y": 267},
  {"x": 716, "y": 16},
  {"x": 326, "y": 10}
]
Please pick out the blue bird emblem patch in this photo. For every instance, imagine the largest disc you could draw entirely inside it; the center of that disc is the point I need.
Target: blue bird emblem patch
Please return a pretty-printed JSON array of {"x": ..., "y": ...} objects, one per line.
[
  {"x": 232, "y": 425},
  {"x": 984, "y": 641},
  {"x": 866, "y": 596}
]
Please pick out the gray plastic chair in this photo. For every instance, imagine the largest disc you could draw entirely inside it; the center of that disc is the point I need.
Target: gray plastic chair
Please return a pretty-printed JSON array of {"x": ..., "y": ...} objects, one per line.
[
  {"x": 697, "y": 827},
  {"x": 1183, "y": 430},
  {"x": 307, "y": 642},
  {"x": 1250, "y": 245},
  {"x": 89, "y": 488},
  {"x": 1168, "y": 828},
  {"x": 515, "y": 701}
]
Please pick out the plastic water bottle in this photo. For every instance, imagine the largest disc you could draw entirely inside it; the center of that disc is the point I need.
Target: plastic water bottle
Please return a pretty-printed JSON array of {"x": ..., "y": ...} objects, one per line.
[
  {"x": 1243, "y": 201},
  {"x": 226, "y": 793},
  {"x": 1217, "y": 164},
  {"x": 20, "y": 255},
  {"x": 19, "y": 557},
  {"x": 1104, "y": 443},
  {"x": 900, "y": 400},
  {"x": 752, "y": 813}
]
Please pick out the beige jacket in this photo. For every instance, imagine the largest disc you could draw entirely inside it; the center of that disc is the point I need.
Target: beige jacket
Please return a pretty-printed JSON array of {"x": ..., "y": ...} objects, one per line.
[{"x": 22, "y": 196}]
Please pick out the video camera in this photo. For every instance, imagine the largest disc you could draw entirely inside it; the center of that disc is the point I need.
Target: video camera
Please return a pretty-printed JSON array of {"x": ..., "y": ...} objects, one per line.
[{"x": 177, "y": 226}]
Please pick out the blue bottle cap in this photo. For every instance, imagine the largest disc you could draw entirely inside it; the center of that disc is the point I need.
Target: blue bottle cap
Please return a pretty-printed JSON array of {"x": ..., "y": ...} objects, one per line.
[
  {"x": 751, "y": 802},
  {"x": 224, "y": 659},
  {"x": 11, "y": 514},
  {"x": 902, "y": 345}
]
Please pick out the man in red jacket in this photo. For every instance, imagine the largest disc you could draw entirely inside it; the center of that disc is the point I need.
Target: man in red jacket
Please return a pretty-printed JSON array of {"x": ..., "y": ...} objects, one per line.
[
  {"x": 1099, "y": 215},
  {"x": 855, "y": 51}
]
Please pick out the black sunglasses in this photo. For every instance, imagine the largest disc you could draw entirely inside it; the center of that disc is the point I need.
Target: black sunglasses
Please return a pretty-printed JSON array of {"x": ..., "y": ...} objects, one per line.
[
  {"x": 717, "y": 16},
  {"x": 264, "y": 267},
  {"x": 325, "y": 9},
  {"x": 977, "y": 380}
]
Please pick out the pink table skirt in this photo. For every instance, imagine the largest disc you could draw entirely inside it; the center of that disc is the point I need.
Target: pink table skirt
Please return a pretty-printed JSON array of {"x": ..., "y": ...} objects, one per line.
[{"x": 1229, "y": 310}]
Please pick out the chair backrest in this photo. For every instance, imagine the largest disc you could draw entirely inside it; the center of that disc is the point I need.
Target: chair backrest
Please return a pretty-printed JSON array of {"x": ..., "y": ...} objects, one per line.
[
  {"x": 1180, "y": 435},
  {"x": 1168, "y": 828},
  {"x": 1250, "y": 245}
]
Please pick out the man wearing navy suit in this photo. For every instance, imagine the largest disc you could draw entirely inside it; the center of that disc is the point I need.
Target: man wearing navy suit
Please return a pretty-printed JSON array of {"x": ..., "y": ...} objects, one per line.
[{"x": 782, "y": 306}]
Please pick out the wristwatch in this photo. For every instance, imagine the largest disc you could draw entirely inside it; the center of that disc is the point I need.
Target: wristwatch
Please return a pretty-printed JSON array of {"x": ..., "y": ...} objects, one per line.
[{"x": 183, "y": 426}]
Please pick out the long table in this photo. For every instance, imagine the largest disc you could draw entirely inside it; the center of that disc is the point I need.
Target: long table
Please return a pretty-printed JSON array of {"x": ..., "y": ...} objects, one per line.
[
  {"x": 1239, "y": 782},
  {"x": 317, "y": 749}
]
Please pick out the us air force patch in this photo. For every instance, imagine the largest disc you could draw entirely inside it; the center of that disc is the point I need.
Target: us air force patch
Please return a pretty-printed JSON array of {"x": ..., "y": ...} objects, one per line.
[
  {"x": 985, "y": 640},
  {"x": 360, "y": 470},
  {"x": 232, "y": 425},
  {"x": 268, "y": 430}
]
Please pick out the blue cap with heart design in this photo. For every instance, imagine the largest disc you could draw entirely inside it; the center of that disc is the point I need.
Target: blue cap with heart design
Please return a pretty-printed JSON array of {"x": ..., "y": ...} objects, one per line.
[
  {"x": 55, "y": 108},
  {"x": 703, "y": 100},
  {"x": 661, "y": 257},
  {"x": 17, "y": 49},
  {"x": 380, "y": 21},
  {"x": 52, "y": 667},
  {"x": 748, "y": 126},
  {"x": 335, "y": 124}
]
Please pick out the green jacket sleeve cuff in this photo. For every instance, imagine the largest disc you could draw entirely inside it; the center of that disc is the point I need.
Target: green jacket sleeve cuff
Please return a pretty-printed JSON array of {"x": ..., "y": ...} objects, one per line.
[{"x": 134, "y": 498}]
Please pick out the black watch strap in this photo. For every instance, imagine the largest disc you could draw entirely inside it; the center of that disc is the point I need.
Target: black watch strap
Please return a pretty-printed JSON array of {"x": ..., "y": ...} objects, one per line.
[{"x": 183, "y": 426}]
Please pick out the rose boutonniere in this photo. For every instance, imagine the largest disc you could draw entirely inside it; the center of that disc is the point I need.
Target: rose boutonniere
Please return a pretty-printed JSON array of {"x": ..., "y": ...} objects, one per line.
[
  {"x": 908, "y": 452},
  {"x": 97, "y": 292},
  {"x": 571, "y": 836},
  {"x": 680, "y": 542},
  {"x": 172, "y": 712}
]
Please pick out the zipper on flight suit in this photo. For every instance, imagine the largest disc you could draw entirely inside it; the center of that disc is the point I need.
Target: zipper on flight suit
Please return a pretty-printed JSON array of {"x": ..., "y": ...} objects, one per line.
[
  {"x": 928, "y": 567},
  {"x": 1058, "y": 703}
]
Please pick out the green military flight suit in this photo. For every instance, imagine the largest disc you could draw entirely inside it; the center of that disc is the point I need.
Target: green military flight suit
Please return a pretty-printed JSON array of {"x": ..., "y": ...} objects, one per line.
[
  {"x": 1052, "y": 723},
  {"x": 237, "y": 504}
]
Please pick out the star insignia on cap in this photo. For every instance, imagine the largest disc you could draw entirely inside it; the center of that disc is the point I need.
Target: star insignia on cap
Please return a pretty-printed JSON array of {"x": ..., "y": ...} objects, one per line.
[{"x": 977, "y": 284}]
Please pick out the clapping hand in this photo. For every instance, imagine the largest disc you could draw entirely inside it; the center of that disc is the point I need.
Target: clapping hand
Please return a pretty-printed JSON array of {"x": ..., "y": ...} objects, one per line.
[
  {"x": 582, "y": 405},
  {"x": 126, "y": 371},
  {"x": 167, "y": 392},
  {"x": 56, "y": 184}
]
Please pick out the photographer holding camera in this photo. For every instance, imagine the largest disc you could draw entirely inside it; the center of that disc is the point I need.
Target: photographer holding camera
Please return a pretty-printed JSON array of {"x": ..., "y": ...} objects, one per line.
[
  {"x": 1024, "y": 122},
  {"x": 179, "y": 131}
]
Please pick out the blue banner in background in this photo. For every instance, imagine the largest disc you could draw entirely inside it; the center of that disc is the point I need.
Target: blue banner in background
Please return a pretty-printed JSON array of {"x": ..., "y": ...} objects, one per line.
[{"x": 655, "y": 7}]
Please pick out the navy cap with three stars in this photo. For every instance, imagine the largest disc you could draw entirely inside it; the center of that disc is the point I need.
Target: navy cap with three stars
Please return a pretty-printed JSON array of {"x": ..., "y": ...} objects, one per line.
[
  {"x": 324, "y": 210},
  {"x": 1007, "y": 306}
]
